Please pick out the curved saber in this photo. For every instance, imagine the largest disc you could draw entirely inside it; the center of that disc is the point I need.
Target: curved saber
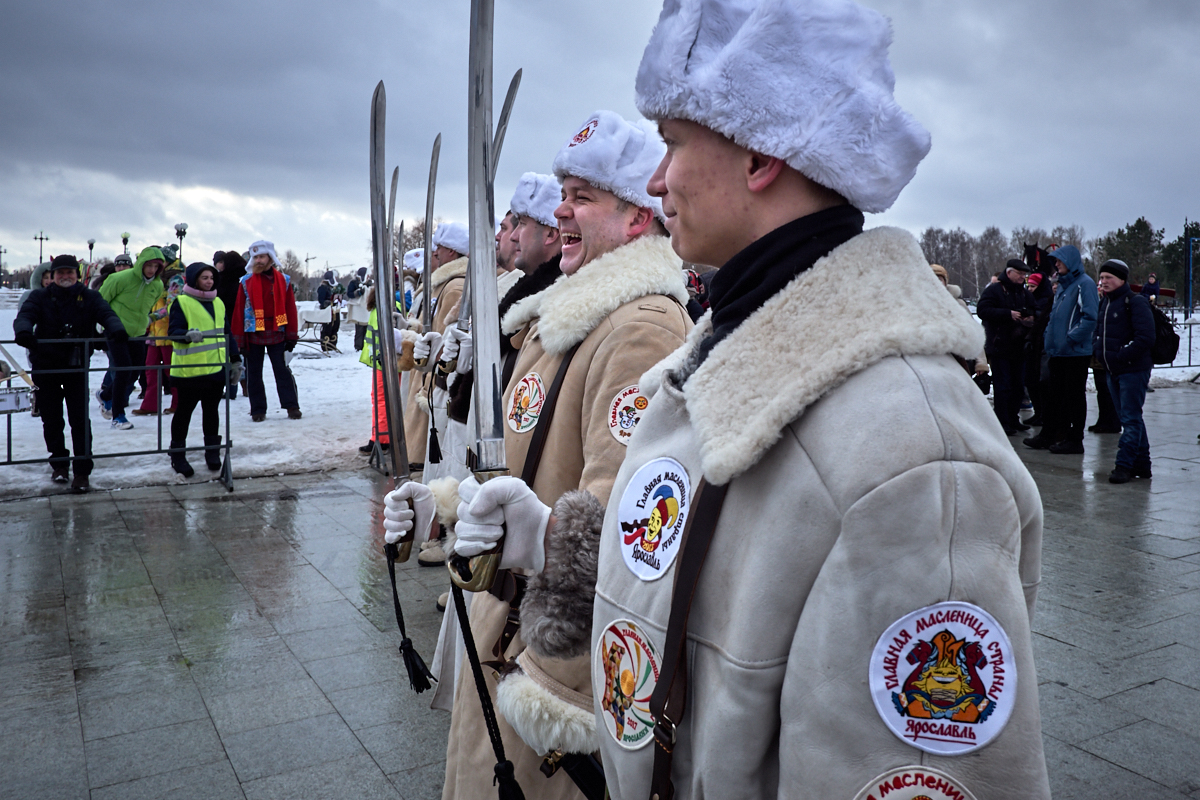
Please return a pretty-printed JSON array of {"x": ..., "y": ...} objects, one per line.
[
  {"x": 385, "y": 289},
  {"x": 391, "y": 220},
  {"x": 427, "y": 277},
  {"x": 464, "y": 307},
  {"x": 502, "y": 123}
]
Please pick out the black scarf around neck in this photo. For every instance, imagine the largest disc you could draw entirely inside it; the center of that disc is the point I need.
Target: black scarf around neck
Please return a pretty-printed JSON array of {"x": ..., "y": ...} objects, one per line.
[{"x": 761, "y": 270}]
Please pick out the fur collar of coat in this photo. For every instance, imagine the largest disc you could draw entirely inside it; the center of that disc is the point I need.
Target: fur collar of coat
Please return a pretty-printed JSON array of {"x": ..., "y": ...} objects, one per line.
[
  {"x": 871, "y": 298},
  {"x": 452, "y": 269},
  {"x": 574, "y": 305}
]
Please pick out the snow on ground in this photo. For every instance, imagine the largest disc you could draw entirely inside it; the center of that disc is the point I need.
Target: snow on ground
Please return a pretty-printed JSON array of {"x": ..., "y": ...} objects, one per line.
[{"x": 335, "y": 396}]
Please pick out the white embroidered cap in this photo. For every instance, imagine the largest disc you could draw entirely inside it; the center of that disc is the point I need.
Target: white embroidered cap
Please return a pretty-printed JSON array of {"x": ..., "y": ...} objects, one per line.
[
  {"x": 807, "y": 81},
  {"x": 537, "y": 196},
  {"x": 415, "y": 259},
  {"x": 616, "y": 155},
  {"x": 263, "y": 246},
  {"x": 453, "y": 235}
]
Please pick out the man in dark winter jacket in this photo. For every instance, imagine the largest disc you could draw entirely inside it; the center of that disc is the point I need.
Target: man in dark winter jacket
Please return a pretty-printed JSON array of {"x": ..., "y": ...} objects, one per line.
[
  {"x": 327, "y": 295},
  {"x": 66, "y": 309},
  {"x": 1068, "y": 344},
  {"x": 1007, "y": 310},
  {"x": 1124, "y": 336}
]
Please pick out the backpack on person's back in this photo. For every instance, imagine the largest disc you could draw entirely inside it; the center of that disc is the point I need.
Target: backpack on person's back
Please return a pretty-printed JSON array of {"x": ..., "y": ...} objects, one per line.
[{"x": 1166, "y": 340}]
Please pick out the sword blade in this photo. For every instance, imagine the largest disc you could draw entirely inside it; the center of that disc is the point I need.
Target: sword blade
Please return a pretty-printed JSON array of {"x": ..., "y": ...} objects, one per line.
[
  {"x": 502, "y": 123},
  {"x": 385, "y": 291},
  {"x": 391, "y": 221},
  {"x": 489, "y": 439},
  {"x": 427, "y": 275}
]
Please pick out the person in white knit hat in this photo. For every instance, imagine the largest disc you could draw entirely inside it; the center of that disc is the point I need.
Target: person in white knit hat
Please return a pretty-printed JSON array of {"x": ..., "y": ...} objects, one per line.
[
  {"x": 818, "y": 563},
  {"x": 584, "y": 342}
]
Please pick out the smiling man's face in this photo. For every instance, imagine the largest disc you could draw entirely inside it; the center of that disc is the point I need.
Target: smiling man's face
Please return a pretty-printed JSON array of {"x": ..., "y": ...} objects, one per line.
[{"x": 592, "y": 222}]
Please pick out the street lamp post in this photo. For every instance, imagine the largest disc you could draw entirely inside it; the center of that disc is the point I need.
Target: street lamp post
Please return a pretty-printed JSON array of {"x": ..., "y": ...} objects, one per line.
[
  {"x": 181, "y": 231},
  {"x": 125, "y": 242},
  {"x": 41, "y": 237},
  {"x": 91, "y": 245},
  {"x": 1187, "y": 286},
  {"x": 2, "y": 252}
]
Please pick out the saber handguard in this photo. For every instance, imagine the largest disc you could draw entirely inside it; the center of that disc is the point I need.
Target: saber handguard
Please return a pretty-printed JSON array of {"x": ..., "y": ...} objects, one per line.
[
  {"x": 478, "y": 573},
  {"x": 447, "y": 368},
  {"x": 421, "y": 363}
]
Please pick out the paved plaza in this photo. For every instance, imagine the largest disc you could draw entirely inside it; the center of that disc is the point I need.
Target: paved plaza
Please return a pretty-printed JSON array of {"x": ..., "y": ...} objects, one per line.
[{"x": 181, "y": 641}]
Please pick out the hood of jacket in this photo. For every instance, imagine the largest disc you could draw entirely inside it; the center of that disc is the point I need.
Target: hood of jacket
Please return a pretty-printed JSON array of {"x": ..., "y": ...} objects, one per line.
[
  {"x": 149, "y": 254},
  {"x": 871, "y": 298},
  {"x": 35, "y": 280},
  {"x": 1068, "y": 254},
  {"x": 192, "y": 274},
  {"x": 575, "y": 304}
]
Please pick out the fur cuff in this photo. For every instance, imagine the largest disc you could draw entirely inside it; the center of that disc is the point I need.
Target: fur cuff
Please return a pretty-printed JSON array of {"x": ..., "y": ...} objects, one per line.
[
  {"x": 544, "y": 720},
  {"x": 445, "y": 495},
  {"x": 556, "y": 614}
]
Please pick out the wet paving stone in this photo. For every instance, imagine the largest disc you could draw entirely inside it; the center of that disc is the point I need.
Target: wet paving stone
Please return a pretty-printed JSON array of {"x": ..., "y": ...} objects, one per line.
[{"x": 182, "y": 641}]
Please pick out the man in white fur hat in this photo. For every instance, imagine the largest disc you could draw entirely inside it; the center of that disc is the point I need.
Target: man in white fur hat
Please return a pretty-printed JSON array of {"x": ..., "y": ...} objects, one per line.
[
  {"x": 617, "y": 311},
  {"x": 449, "y": 264},
  {"x": 848, "y": 613}
]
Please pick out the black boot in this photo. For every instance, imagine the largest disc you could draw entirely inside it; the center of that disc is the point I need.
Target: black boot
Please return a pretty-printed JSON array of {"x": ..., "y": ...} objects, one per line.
[
  {"x": 212, "y": 452},
  {"x": 179, "y": 461}
]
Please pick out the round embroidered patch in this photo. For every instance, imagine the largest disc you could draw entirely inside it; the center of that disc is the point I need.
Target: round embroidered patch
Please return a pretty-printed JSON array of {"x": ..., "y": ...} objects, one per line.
[
  {"x": 625, "y": 412},
  {"x": 525, "y": 405},
  {"x": 652, "y": 513},
  {"x": 585, "y": 134},
  {"x": 944, "y": 679},
  {"x": 914, "y": 783},
  {"x": 625, "y": 671}
]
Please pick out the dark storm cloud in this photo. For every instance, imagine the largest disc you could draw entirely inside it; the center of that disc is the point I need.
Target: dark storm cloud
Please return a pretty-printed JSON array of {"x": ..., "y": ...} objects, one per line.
[{"x": 112, "y": 113}]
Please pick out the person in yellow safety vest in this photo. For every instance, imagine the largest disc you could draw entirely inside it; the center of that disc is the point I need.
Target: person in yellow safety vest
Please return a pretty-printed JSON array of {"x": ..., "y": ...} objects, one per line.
[
  {"x": 197, "y": 332},
  {"x": 372, "y": 356}
]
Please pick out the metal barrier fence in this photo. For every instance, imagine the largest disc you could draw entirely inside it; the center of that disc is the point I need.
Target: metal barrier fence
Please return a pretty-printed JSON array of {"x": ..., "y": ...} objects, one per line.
[
  {"x": 1185, "y": 326},
  {"x": 226, "y": 474}
]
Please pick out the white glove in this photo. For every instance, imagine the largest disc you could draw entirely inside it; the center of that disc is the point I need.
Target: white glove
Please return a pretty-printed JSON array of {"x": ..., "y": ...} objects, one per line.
[
  {"x": 398, "y": 321},
  {"x": 430, "y": 342},
  {"x": 502, "y": 502},
  {"x": 193, "y": 336},
  {"x": 458, "y": 344},
  {"x": 398, "y": 518}
]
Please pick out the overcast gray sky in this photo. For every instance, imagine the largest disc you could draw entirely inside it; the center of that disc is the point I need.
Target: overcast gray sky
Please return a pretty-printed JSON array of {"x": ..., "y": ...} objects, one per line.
[{"x": 249, "y": 120}]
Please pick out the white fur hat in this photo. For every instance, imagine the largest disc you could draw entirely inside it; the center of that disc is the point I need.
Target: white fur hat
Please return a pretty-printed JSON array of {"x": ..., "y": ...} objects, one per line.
[
  {"x": 415, "y": 259},
  {"x": 537, "y": 196},
  {"x": 263, "y": 246},
  {"x": 616, "y": 155},
  {"x": 453, "y": 235},
  {"x": 807, "y": 81}
]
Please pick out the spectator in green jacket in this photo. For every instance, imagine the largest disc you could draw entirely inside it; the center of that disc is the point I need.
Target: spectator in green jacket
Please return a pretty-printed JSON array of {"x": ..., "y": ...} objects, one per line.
[{"x": 132, "y": 294}]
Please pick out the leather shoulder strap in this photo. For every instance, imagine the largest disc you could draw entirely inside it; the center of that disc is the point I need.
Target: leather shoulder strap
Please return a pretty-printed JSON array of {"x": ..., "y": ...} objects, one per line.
[
  {"x": 542, "y": 430},
  {"x": 669, "y": 699}
]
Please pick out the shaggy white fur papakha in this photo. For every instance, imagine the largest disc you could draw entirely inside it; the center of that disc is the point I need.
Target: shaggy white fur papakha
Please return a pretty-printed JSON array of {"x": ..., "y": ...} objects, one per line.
[
  {"x": 575, "y": 304},
  {"x": 871, "y": 298},
  {"x": 807, "y": 81},
  {"x": 616, "y": 155}
]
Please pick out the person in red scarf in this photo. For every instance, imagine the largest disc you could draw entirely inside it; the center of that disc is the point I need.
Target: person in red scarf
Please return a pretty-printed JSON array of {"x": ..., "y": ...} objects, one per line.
[{"x": 265, "y": 324}]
